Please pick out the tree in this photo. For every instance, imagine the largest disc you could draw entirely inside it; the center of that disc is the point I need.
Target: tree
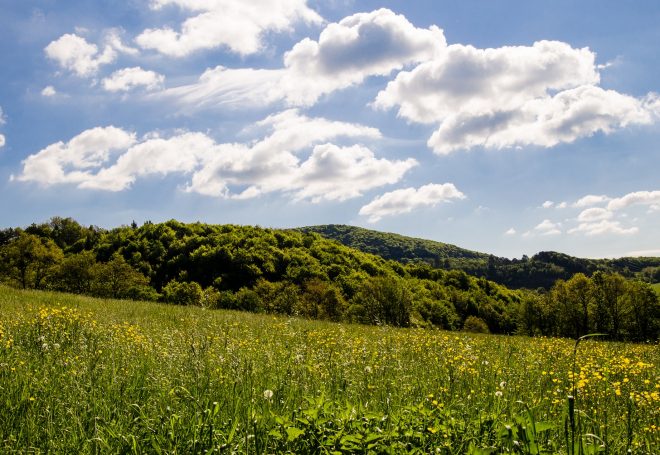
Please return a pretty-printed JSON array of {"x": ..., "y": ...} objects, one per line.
[
  {"x": 117, "y": 279},
  {"x": 28, "y": 259},
  {"x": 385, "y": 300},
  {"x": 75, "y": 273}
]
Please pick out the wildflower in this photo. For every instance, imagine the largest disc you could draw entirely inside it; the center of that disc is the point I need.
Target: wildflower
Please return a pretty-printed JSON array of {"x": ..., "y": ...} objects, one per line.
[
  {"x": 268, "y": 394},
  {"x": 498, "y": 394},
  {"x": 367, "y": 369}
]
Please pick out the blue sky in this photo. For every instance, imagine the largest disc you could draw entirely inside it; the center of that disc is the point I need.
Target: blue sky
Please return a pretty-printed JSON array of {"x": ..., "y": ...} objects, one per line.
[{"x": 507, "y": 127}]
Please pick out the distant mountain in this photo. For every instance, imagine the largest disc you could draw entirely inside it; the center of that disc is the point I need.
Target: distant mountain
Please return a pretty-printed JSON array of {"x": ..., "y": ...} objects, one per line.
[{"x": 539, "y": 271}]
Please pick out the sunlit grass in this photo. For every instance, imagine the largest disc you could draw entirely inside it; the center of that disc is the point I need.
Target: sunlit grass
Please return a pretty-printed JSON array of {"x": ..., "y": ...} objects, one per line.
[{"x": 86, "y": 375}]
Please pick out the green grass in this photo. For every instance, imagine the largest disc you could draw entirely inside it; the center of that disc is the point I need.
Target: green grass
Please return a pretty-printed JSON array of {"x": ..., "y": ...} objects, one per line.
[
  {"x": 656, "y": 287},
  {"x": 82, "y": 375}
]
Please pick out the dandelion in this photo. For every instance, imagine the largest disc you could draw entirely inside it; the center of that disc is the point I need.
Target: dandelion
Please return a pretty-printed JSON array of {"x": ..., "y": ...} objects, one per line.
[
  {"x": 268, "y": 394},
  {"x": 498, "y": 394}
]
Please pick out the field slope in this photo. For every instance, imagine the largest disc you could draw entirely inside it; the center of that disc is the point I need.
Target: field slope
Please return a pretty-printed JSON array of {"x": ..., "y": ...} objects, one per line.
[{"x": 83, "y": 375}]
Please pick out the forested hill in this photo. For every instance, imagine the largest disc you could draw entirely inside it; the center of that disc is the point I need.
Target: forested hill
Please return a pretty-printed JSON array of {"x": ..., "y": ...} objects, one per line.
[
  {"x": 540, "y": 271},
  {"x": 304, "y": 274},
  {"x": 395, "y": 246}
]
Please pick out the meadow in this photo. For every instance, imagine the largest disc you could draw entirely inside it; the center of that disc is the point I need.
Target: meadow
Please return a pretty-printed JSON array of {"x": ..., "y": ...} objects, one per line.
[{"x": 84, "y": 375}]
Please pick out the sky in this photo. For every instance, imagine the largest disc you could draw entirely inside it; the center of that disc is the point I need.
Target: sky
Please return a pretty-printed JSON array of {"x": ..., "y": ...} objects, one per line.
[{"x": 507, "y": 127}]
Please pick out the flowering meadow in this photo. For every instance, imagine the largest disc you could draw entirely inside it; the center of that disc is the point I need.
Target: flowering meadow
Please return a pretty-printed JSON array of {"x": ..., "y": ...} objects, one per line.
[{"x": 83, "y": 375}]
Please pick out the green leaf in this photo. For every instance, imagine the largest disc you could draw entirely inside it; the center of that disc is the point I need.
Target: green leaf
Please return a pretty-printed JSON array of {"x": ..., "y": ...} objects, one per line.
[{"x": 293, "y": 433}]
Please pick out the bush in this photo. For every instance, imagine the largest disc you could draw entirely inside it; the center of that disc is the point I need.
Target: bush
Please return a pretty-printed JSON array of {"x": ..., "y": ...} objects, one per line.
[
  {"x": 183, "y": 293},
  {"x": 475, "y": 325}
]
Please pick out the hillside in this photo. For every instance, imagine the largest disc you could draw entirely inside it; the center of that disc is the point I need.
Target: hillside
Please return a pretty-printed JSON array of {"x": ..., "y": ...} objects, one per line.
[
  {"x": 298, "y": 273},
  {"x": 540, "y": 271}
]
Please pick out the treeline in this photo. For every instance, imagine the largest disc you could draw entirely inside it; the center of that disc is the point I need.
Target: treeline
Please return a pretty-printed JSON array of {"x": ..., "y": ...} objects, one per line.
[
  {"x": 285, "y": 272},
  {"x": 541, "y": 270}
]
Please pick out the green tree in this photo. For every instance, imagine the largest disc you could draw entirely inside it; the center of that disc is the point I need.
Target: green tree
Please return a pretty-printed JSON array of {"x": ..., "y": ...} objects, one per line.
[{"x": 28, "y": 259}]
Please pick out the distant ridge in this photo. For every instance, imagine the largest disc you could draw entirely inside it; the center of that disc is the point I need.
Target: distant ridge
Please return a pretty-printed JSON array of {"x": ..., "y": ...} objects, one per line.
[{"x": 539, "y": 271}]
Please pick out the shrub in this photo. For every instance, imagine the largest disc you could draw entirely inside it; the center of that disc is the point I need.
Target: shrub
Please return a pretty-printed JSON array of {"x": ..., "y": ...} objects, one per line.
[
  {"x": 475, "y": 325},
  {"x": 183, "y": 293}
]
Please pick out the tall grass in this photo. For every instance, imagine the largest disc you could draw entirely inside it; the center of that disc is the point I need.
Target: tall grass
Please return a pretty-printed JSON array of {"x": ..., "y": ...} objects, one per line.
[{"x": 81, "y": 375}]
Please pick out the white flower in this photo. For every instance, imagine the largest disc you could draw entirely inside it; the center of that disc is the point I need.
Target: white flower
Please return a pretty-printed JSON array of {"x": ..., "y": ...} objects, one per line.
[
  {"x": 498, "y": 393},
  {"x": 502, "y": 384},
  {"x": 367, "y": 369},
  {"x": 268, "y": 394}
]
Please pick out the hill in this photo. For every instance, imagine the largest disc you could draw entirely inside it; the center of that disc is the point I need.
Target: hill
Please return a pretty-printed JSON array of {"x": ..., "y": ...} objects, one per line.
[
  {"x": 300, "y": 273},
  {"x": 540, "y": 271}
]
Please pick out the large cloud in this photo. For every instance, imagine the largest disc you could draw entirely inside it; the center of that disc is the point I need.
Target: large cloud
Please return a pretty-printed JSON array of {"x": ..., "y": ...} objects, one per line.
[
  {"x": 650, "y": 198},
  {"x": 603, "y": 227},
  {"x": 347, "y": 52},
  {"x": 74, "y": 53},
  {"x": 408, "y": 199},
  {"x": 236, "y": 24},
  {"x": 542, "y": 95},
  {"x": 230, "y": 170},
  {"x": 129, "y": 78}
]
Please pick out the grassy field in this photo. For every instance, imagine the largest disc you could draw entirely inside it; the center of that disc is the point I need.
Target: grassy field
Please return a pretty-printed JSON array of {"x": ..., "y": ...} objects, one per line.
[{"x": 81, "y": 375}]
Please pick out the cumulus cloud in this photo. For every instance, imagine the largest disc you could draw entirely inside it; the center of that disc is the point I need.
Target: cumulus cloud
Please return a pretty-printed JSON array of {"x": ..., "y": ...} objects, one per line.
[
  {"x": 479, "y": 81},
  {"x": 408, "y": 199},
  {"x": 346, "y": 53},
  {"x": 129, "y": 78},
  {"x": 74, "y": 53},
  {"x": 295, "y": 158},
  {"x": 510, "y": 231},
  {"x": 545, "y": 122},
  {"x": 545, "y": 227},
  {"x": 595, "y": 214},
  {"x": 539, "y": 95},
  {"x": 2, "y": 140},
  {"x": 49, "y": 91},
  {"x": 602, "y": 227},
  {"x": 74, "y": 161},
  {"x": 590, "y": 200},
  {"x": 235, "y": 24},
  {"x": 648, "y": 198},
  {"x": 548, "y": 204}
]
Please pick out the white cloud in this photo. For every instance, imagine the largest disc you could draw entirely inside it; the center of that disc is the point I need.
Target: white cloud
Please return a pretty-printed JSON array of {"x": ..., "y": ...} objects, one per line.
[
  {"x": 545, "y": 227},
  {"x": 2, "y": 140},
  {"x": 590, "y": 200},
  {"x": 595, "y": 214},
  {"x": 408, "y": 199},
  {"x": 49, "y": 91},
  {"x": 130, "y": 78},
  {"x": 548, "y": 204},
  {"x": 603, "y": 227},
  {"x": 230, "y": 170},
  {"x": 539, "y": 95},
  {"x": 235, "y": 24},
  {"x": 71, "y": 162},
  {"x": 74, "y": 53},
  {"x": 510, "y": 231},
  {"x": 563, "y": 118},
  {"x": 649, "y": 198},
  {"x": 562, "y": 205},
  {"x": 347, "y": 52},
  {"x": 479, "y": 81},
  {"x": 361, "y": 45}
]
